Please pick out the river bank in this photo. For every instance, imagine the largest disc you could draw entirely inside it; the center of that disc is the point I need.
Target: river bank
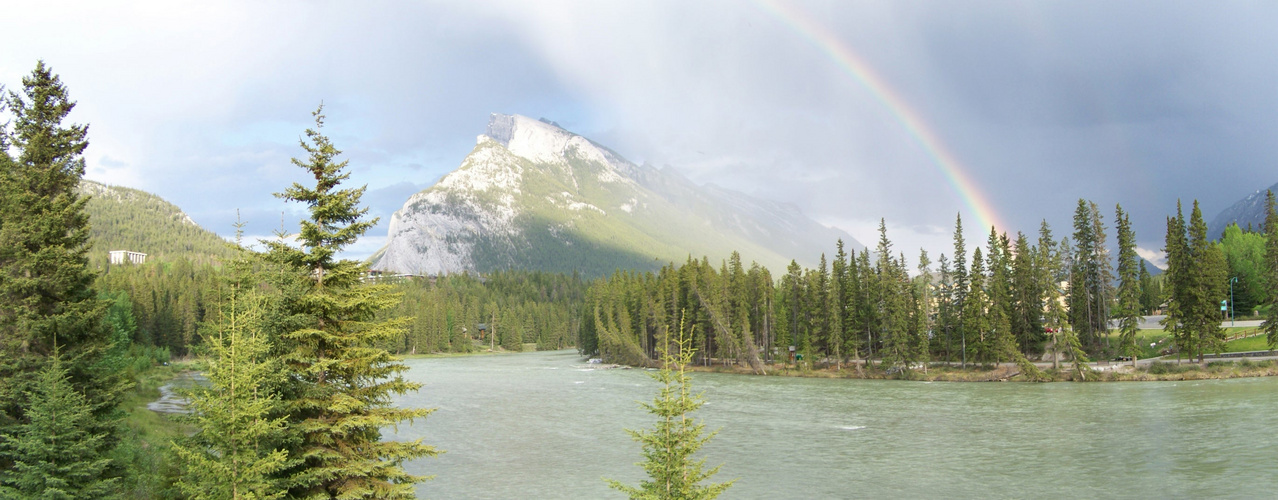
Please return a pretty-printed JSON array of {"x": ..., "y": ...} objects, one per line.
[{"x": 1154, "y": 370}]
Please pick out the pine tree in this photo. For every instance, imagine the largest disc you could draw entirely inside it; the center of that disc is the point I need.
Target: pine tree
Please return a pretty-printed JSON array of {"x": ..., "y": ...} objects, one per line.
[
  {"x": 235, "y": 454},
  {"x": 340, "y": 384},
  {"x": 1175, "y": 282},
  {"x": 668, "y": 449},
  {"x": 1128, "y": 310},
  {"x": 55, "y": 453}
]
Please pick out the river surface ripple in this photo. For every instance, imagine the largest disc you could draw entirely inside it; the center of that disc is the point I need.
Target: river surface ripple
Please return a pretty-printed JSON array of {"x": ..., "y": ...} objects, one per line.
[{"x": 547, "y": 425}]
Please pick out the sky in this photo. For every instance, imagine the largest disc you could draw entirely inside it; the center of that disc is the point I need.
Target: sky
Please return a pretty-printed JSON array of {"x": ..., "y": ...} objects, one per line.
[{"x": 1003, "y": 112}]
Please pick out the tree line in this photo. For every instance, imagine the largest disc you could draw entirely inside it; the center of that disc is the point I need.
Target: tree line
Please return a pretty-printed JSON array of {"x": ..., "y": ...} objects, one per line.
[{"x": 1015, "y": 299}]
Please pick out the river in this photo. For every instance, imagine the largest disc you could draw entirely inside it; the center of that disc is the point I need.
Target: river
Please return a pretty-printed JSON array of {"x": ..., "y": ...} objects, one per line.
[{"x": 547, "y": 425}]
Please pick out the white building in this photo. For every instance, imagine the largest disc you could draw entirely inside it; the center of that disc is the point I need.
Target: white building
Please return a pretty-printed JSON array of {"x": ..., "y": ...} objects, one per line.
[{"x": 122, "y": 256}]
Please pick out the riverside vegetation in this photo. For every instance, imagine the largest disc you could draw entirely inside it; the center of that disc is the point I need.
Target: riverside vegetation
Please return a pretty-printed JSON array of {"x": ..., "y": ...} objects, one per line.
[{"x": 298, "y": 345}]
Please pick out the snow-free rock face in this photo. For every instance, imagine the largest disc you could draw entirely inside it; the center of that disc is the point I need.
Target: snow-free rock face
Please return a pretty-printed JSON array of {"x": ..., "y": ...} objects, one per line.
[{"x": 532, "y": 195}]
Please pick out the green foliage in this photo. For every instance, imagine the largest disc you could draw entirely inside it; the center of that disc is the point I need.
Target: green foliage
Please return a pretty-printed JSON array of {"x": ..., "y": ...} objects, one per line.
[
  {"x": 1091, "y": 278},
  {"x": 129, "y": 219},
  {"x": 549, "y": 304},
  {"x": 1245, "y": 260},
  {"x": 236, "y": 453},
  {"x": 56, "y": 453},
  {"x": 46, "y": 294},
  {"x": 1271, "y": 268},
  {"x": 169, "y": 299},
  {"x": 669, "y": 447},
  {"x": 1128, "y": 304},
  {"x": 1197, "y": 282},
  {"x": 339, "y": 385}
]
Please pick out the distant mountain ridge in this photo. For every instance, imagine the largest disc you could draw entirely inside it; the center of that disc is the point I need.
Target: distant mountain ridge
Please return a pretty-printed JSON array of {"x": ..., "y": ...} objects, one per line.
[
  {"x": 532, "y": 195},
  {"x": 122, "y": 218},
  {"x": 1248, "y": 211}
]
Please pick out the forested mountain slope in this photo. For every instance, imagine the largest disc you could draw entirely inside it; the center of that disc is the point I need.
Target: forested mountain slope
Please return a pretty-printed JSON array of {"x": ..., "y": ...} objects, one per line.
[
  {"x": 123, "y": 218},
  {"x": 532, "y": 195}
]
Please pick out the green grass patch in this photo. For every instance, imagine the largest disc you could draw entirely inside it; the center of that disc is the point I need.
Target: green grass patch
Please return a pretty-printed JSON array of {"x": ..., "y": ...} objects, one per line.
[
  {"x": 1251, "y": 343},
  {"x": 147, "y": 436}
]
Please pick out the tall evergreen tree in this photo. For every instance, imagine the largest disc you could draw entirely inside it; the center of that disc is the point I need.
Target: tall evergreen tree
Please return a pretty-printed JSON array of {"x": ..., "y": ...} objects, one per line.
[
  {"x": 960, "y": 265},
  {"x": 1128, "y": 310},
  {"x": 1271, "y": 269},
  {"x": 1027, "y": 296},
  {"x": 867, "y": 311},
  {"x": 975, "y": 324},
  {"x": 924, "y": 288},
  {"x": 1176, "y": 284},
  {"x": 45, "y": 281},
  {"x": 1000, "y": 344},
  {"x": 1207, "y": 284},
  {"x": 340, "y": 385},
  {"x": 945, "y": 314},
  {"x": 1151, "y": 296}
]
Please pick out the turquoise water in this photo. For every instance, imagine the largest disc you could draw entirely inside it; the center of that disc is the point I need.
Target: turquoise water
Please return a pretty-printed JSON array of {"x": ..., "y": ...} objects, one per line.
[{"x": 547, "y": 425}]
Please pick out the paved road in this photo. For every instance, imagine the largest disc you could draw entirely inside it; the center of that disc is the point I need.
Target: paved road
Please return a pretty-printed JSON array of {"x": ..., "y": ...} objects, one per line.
[{"x": 1151, "y": 323}]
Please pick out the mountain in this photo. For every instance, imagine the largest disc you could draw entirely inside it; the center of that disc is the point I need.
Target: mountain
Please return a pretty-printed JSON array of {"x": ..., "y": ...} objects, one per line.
[
  {"x": 1247, "y": 211},
  {"x": 123, "y": 218},
  {"x": 532, "y": 195}
]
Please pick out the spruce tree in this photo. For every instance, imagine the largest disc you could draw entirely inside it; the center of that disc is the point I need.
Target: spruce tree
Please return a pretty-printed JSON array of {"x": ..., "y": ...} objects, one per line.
[
  {"x": 1027, "y": 297},
  {"x": 975, "y": 320},
  {"x": 338, "y": 396},
  {"x": 1001, "y": 344},
  {"x": 1175, "y": 282},
  {"x": 236, "y": 452},
  {"x": 945, "y": 315},
  {"x": 1207, "y": 282},
  {"x": 1150, "y": 292},
  {"x": 1271, "y": 269},
  {"x": 668, "y": 449},
  {"x": 55, "y": 453},
  {"x": 45, "y": 282},
  {"x": 1128, "y": 310},
  {"x": 960, "y": 265},
  {"x": 924, "y": 290}
]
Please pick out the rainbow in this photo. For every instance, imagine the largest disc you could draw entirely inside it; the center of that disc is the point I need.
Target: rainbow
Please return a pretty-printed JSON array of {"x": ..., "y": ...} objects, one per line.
[{"x": 860, "y": 71}]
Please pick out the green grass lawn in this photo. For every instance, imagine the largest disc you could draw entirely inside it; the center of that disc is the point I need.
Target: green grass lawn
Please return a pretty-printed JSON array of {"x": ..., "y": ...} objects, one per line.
[
  {"x": 1161, "y": 341},
  {"x": 1256, "y": 343}
]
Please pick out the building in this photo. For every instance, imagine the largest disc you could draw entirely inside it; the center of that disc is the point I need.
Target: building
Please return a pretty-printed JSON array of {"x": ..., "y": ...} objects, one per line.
[{"x": 122, "y": 256}]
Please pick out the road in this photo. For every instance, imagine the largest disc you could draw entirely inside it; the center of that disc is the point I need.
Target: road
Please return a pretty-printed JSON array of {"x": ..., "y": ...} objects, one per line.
[{"x": 1151, "y": 323}]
